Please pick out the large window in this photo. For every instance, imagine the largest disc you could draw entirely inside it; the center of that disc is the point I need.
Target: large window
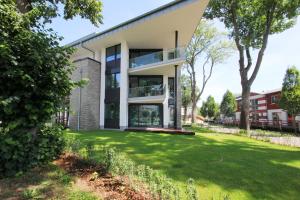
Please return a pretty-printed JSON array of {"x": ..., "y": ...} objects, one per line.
[
  {"x": 141, "y": 86},
  {"x": 139, "y": 57},
  {"x": 112, "y": 81},
  {"x": 113, "y": 53},
  {"x": 112, "y": 115},
  {"x": 145, "y": 115},
  {"x": 142, "y": 81},
  {"x": 171, "y": 85},
  {"x": 112, "y": 85}
]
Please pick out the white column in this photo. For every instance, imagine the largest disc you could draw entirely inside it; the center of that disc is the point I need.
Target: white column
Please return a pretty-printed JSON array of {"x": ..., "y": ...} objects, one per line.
[
  {"x": 102, "y": 88},
  {"x": 166, "y": 114},
  {"x": 124, "y": 85}
]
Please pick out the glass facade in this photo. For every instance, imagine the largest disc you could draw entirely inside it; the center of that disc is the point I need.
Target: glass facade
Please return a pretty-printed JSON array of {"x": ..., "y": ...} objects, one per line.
[
  {"x": 112, "y": 81},
  {"x": 145, "y": 115},
  {"x": 141, "y": 86},
  {"x": 139, "y": 57},
  {"x": 112, "y": 87}
]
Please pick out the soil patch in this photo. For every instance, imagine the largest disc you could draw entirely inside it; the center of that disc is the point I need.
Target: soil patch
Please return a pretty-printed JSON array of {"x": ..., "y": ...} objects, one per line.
[{"x": 104, "y": 185}]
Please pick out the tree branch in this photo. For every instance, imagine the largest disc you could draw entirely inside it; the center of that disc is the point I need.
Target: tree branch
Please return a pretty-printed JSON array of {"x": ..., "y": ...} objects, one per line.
[
  {"x": 205, "y": 80},
  {"x": 270, "y": 15},
  {"x": 249, "y": 58}
]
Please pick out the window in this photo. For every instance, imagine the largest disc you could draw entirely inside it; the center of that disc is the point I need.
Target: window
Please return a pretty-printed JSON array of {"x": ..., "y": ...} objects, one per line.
[
  {"x": 145, "y": 115},
  {"x": 113, "y": 53},
  {"x": 274, "y": 99},
  {"x": 254, "y": 104},
  {"x": 171, "y": 85},
  {"x": 113, "y": 81},
  {"x": 138, "y": 57},
  {"x": 112, "y": 111}
]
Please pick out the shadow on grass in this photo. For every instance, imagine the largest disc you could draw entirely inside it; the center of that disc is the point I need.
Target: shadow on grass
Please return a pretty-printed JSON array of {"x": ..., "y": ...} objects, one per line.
[{"x": 240, "y": 166}]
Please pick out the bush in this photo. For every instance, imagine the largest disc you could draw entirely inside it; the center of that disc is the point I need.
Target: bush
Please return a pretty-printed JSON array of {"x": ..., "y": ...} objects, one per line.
[{"x": 20, "y": 151}]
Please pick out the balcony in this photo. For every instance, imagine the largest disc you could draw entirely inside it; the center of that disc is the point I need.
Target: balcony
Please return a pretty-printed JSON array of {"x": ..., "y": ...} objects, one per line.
[
  {"x": 158, "y": 58},
  {"x": 153, "y": 93}
]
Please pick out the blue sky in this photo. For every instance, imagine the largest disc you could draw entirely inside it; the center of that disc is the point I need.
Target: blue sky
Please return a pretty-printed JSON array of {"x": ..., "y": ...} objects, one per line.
[{"x": 283, "y": 49}]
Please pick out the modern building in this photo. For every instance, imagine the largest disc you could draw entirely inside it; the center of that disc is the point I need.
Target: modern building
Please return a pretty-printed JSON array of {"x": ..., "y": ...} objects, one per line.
[{"x": 134, "y": 70}]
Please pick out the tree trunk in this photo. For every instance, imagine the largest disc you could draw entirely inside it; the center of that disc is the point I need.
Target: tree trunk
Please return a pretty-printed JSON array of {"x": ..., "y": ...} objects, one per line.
[
  {"x": 244, "y": 121},
  {"x": 194, "y": 103},
  {"x": 185, "y": 113}
]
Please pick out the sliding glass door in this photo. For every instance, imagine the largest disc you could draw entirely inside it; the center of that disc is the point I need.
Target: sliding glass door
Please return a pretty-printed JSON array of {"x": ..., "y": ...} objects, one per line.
[{"x": 145, "y": 115}]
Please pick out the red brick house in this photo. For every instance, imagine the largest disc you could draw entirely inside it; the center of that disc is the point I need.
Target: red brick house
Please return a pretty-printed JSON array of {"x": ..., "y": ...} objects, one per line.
[{"x": 264, "y": 107}]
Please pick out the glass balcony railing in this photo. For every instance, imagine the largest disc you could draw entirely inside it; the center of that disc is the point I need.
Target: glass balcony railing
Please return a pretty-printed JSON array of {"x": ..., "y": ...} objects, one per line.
[
  {"x": 157, "y": 57},
  {"x": 146, "y": 91}
]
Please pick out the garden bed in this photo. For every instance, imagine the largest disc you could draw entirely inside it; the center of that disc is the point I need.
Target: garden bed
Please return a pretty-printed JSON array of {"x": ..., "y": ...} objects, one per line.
[{"x": 93, "y": 178}]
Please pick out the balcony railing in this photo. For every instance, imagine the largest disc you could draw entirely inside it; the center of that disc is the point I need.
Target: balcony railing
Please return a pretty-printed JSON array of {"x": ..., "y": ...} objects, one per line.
[
  {"x": 153, "y": 90},
  {"x": 157, "y": 57}
]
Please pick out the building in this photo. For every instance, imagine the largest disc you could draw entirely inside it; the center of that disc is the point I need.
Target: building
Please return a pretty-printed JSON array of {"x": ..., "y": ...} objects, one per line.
[
  {"x": 264, "y": 107},
  {"x": 134, "y": 70}
]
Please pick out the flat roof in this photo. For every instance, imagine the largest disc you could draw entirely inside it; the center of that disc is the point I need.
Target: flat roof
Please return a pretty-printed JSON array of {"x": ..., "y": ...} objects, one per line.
[{"x": 93, "y": 35}]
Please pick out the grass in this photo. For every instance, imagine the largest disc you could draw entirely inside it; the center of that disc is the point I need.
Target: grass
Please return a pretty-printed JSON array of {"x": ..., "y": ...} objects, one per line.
[
  {"x": 221, "y": 164},
  {"x": 47, "y": 182}
]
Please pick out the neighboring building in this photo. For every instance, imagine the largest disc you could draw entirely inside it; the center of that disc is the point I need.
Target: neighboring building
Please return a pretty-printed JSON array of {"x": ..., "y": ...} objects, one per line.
[
  {"x": 265, "y": 107},
  {"x": 134, "y": 70}
]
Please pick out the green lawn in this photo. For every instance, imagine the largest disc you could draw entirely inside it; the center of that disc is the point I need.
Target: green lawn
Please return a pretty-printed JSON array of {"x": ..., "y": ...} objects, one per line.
[{"x": 220, "y": 164}]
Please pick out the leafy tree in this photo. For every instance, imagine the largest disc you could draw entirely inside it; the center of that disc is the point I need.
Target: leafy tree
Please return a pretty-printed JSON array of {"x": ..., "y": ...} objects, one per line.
[
  {"x": 228, "y": 104},
  {"x": 250, "y": 24},
  {"x": 34, "y": 78},
  {"x": 290, "y": 95},
  {"x": 210, "y": 108},
  {"x": 186, "y": 94},
  {"x": 89, "y": 9},
  {"x": 209, "y": 45}
]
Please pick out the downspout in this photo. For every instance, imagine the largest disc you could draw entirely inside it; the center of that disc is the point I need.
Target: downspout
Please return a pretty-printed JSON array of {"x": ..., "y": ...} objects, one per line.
[
  {"x": 93, "y": 52},
  {"x": 175, "y": 84},
  {"x": 79, "y": 111}
]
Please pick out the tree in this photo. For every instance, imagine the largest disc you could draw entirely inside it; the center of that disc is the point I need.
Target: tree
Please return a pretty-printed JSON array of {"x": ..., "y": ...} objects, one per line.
[
  {"x": 250, "y": 24},
  {"x": 186, "y": 94},
  {"x": 228, "y": 104},
  {"x": 209, "y": 45},
  {"x": 209, "y": 108},
  {"x": 290, "y": 94},
  {"x": 89, "y": 9},
  {"x": 34, "y": 80}
]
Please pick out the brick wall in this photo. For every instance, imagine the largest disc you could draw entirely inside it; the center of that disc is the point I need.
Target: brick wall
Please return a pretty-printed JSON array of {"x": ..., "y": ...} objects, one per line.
[{"x": 89, "y": 108}]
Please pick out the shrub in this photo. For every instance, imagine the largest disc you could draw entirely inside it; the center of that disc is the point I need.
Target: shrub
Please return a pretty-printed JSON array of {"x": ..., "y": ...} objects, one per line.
[
  {"x": 191, "y": 190},
  {"x": 20, "y": 151}
]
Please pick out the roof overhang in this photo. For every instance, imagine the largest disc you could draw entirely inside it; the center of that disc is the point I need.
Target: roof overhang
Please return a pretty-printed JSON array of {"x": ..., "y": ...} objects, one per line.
[{"x": 155, "y": 29}]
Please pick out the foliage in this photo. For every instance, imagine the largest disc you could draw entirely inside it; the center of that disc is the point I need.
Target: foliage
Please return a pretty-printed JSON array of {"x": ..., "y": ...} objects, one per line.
[
  {"x": 290, "y": 95},
  {"x": 88, "y": 9},
  {"x": 191, "y": 190},
  {"x": 212, "y": 48},
  {"x": 250, "y": 23},
  {"x": 228, "y": 105},
  {"x": 35, "y": 72},
  {"x": 186, "y": 90},
  {"x": 19, "y": 152},
  {"x": 210, "y": 108}
]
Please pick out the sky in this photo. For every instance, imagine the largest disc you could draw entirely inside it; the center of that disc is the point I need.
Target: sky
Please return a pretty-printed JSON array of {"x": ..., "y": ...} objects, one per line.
[{"x": 283, "y": 49}]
